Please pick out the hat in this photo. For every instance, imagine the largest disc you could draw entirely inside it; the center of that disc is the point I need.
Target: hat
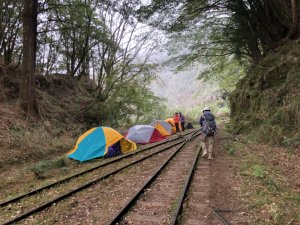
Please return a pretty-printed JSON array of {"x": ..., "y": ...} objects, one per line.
[{"x": 206, "y": 109}]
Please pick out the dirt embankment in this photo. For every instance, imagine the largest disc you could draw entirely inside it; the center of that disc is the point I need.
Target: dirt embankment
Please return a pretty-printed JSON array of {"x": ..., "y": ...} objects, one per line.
[
  {"x": 266, "y": 103},
  {"x": 62, "y": 101}
]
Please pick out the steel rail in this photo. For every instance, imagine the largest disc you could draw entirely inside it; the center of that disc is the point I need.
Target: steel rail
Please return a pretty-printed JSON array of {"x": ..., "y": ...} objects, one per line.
[
  {"x": 216, "y": 214},
  {"x": 30, "y": 193},
  {"x": 186, "y": 186},
  {"x": 225, "y": 210},
  {"x": 86, "y": 185},
  {"x": 118, "y": 216}
]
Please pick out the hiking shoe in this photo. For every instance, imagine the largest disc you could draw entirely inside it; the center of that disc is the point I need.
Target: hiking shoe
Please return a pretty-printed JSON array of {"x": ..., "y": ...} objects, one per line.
[
  {"x": 210, "y": 157},
  {"x": 204, "y": 154}
]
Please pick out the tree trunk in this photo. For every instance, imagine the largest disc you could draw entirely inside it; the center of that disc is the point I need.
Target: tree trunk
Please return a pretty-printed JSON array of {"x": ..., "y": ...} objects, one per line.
[
  {"x": 29, "y": 56},
  {"x": 293, "y": 33}
]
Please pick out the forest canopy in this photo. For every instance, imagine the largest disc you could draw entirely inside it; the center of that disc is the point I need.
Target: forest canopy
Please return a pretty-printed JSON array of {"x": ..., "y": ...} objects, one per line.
[
  {"x": 111, "y": 43},
  {"x": 247, "y": 28}
]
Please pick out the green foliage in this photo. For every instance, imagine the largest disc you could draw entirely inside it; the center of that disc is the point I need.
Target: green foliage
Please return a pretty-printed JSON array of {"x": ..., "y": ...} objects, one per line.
[
  {"x": 258, "y": 171},
  {"x": 103, "y": 44},
  {"x": 205, "y": 44},
  {"x": 230, "y": 149},
  {"x": 295, "y": 197},
  {"x": 227, "y": 71},
  {"x": 40, "y": 168},
  {"x": 10, "y": 31},
  {"x": 246, "y": 29},
  {"x": 273, "y": 187},
  {"x": 265, "y": 187},
  {"x": 228, "y": 36},
  {"x": 129, "y": 104},
  {"x": 266, "y": 102},
  {"x": 293, "y": 142}
]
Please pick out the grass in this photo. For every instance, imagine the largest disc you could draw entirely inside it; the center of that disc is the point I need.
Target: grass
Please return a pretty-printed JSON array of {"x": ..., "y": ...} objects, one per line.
[
  {"x": 292, "y": 143},
  {"x": 35, "y": 143},
  {"x": 40, "y": 168},
  {"x": 258, "y": 171},
  {"x": 266, "y": 191},
  {"x": 294, "y": 197},
  {"x": 230, "y": 149}
]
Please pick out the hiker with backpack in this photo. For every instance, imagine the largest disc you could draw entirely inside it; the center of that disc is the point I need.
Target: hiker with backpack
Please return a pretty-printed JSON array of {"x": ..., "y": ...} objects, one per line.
[{"x": 209, "y": 128}]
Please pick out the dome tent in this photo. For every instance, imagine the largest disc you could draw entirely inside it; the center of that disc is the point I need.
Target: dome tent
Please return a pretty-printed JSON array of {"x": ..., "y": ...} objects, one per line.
[
  {"x": 162, "y": 126},
  {"x": 143, "y": 134},
  {"x": 95, "y": 143}
]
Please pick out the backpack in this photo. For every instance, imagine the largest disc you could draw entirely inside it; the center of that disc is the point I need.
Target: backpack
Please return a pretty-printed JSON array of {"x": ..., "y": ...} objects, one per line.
[
  {"x": 189, "y": 126},
  {"x": 209, "y": 126},
  {"x": 182, "y": 118}
]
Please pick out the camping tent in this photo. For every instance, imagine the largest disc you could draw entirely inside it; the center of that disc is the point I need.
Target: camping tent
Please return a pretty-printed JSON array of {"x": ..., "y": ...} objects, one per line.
[
  {"x": 143, "y": 134},
  {"x": 172, "y": 123},
  {"x": 162, "y": 126},
  {"x": 95, "y": 143}
]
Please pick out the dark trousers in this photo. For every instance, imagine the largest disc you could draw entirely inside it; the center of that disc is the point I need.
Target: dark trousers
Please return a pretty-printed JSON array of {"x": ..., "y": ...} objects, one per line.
[
  {"x": 182, "y": 125},
  {"x": 177, "y": 127}
]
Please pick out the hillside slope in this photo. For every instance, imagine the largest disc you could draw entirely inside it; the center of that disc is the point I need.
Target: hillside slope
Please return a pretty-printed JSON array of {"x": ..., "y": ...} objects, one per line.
[
  {"x": 61, "y": 100},
  {"x": 266, "y": 103}
]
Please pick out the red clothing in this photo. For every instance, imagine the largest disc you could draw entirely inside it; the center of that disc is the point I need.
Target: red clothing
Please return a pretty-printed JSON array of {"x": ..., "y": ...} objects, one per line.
[{"x": 176, "y": 119}]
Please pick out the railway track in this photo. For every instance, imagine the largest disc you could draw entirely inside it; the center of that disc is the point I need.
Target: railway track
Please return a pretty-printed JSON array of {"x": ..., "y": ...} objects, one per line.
[
  {"x": 160, "y": 199},
  {"x": 197, "y": 206},
  {"x": 106, "y": 163},
  {"x": 32, "y": 202}
]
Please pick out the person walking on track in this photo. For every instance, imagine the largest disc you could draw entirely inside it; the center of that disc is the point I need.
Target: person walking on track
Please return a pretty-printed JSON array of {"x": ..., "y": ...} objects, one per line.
[
  {"x": 209, "y": 128},
  {"x": 182, "y": 121}
]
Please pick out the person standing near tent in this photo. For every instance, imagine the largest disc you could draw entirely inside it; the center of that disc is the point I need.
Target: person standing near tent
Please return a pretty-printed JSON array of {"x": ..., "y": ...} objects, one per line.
[
  {"x": 182, "y": 121},
  {"x": 176, "y": 121},
  {"x": 209, "y": 128}
]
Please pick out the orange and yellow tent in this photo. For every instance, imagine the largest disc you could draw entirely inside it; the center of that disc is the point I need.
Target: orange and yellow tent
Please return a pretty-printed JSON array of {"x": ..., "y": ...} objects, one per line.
[{"x": 172, "y": 123}]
